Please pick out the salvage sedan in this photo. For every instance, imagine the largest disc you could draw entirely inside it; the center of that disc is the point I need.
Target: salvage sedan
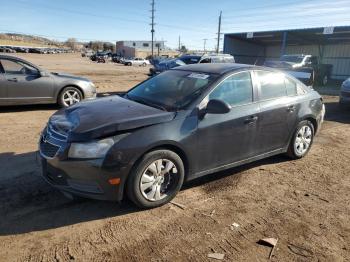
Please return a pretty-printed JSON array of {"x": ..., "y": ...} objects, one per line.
[
  {"x": 24, "y": 83},
  {"x": 184, "y": 123}
]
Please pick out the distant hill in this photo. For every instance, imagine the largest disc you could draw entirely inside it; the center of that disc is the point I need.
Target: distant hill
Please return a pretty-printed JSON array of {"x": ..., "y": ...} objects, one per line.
[{"x": 27, "y": 40}]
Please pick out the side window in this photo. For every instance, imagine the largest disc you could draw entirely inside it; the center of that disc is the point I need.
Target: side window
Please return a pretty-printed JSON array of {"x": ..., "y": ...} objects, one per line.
[
  {"x": 11, "y": 67},
  {"x": 291, "y": 87},
  {"x": 235, "y": 90},
  {"x": 205, "y": 61},
  {"x": 271, "y": 85}
]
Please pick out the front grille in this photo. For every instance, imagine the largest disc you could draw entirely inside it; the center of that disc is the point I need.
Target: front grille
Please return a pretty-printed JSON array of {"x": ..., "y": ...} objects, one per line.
[
  {"x": 47, "y": 149},
  {"x": 56, "y": 133},
  {"x": 345, "y": 94}
]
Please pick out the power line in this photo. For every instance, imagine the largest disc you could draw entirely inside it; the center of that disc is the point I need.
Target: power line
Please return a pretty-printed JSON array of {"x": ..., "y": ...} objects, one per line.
[{"x": 269, "y": 5}]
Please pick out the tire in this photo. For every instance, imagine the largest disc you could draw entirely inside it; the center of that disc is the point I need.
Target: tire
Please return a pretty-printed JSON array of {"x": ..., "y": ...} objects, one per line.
[
  {"x": 144, "y": 64},
  {"x": 305, "y": 139},
  {"x": 64, "y": 100},
  {"x": 324, "y": 80},
  {"x": 148, "y": 189}
]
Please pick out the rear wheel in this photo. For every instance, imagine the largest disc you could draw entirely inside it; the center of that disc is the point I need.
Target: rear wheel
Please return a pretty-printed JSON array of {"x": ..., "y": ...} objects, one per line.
[
  {"x": 325, "y": 80},
  {"x": 302, "y": 140},
  {"x": 69, "y": 96},
  {"x": 156, "y": 179}
]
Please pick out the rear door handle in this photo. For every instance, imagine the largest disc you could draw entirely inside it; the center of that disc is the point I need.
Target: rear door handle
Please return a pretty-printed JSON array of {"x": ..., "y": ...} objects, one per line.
[
  {"x": 250, "y": 120},
  {"x": 12, "y": 80}
]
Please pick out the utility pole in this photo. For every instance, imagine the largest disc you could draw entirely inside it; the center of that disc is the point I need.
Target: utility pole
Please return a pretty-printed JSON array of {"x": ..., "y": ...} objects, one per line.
[
  {"x": 219, "y": 34},
  {"x": 179, "y": 43},
  {"x": 205, "y": 42},
  {"x": 152, "y": 25}
]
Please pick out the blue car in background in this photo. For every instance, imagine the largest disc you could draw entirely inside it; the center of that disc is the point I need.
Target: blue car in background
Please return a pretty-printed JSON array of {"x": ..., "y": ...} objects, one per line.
[
  {"x": 344, "y": 98},
  {"x": 160, "y": 66}
]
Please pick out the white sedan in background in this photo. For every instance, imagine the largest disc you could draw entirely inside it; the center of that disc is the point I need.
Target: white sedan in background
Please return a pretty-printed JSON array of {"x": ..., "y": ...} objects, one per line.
[{"x": 136, "y": 61}]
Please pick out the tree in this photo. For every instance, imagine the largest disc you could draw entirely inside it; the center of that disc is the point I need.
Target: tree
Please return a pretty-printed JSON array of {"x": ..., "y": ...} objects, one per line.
[
  {"x": 183, "y": 49},
  {"x": 72, "y": 43}
]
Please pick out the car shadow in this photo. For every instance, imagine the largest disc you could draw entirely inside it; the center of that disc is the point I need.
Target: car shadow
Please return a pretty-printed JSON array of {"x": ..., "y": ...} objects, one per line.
[
  {"x": 235, "y": 171},
  {"x": 29, "y": 204}
]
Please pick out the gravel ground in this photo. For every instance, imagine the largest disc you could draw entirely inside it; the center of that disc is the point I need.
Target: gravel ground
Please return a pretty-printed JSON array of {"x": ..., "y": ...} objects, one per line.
[{"x": 303, "y": 203}]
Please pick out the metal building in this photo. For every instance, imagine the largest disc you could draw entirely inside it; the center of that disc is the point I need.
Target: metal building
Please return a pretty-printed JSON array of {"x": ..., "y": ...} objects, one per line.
[{"x": 330, "y": 44}]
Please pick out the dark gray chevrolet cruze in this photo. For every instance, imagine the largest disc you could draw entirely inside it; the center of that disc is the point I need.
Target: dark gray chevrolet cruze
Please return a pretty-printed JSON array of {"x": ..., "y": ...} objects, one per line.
[{"x": 182, "y": 124}]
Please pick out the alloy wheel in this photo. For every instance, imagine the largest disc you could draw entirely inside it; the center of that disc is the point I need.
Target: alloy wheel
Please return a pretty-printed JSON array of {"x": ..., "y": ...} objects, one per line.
[
  {"x": 71, "y": 97},
  {"x": 158, "y": 179},
  {"x": 303, "y": 140}
]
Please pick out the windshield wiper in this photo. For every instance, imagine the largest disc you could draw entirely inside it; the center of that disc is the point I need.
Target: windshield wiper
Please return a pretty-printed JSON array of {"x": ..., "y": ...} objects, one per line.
[{"x": 147, "y": 103}]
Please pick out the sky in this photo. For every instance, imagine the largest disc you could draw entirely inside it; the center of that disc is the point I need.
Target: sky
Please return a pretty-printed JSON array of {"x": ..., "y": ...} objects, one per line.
[{"x": 192, "y": 20}]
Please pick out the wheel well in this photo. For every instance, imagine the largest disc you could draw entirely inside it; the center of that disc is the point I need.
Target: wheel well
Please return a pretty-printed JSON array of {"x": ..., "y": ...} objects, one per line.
[
  {"x": 77, "y": 87},
  {"x": 314, "y": 123},
  {"x": 173, "y": 148}
]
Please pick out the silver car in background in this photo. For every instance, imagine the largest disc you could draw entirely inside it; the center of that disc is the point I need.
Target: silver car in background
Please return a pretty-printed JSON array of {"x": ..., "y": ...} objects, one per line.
[
  {"x": 22, "y": 83},
  {"x": 344, "y": 97}
]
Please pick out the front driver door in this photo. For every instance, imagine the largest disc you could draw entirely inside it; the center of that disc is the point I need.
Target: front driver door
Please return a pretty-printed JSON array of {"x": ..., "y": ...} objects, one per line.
[
  {"x": 24, "y": 83},
  {"x": 230, "y": 137}
]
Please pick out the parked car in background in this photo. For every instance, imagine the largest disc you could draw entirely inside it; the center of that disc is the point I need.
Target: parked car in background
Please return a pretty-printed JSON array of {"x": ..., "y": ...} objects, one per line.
[
  {"x": 344, "y": 97},
  {"x": 101, "y": 59},
  {"x": 184, "y": 123},
  {"x": 306, "y": 68},
  {"x": 136, "y": 61},
  {"x": 5, "y": 49},
  {"x": 207, "y": 58},
  {"x": 22, "y": 82},
  {"x": 165, "y": 65}
]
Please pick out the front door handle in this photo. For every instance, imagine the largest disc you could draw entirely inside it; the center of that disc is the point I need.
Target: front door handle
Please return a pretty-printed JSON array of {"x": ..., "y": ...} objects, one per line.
[
  {"x": 291, "y": 109},
  {"x": 12, "y": 80},
  {"x": 250, "y": 120}
]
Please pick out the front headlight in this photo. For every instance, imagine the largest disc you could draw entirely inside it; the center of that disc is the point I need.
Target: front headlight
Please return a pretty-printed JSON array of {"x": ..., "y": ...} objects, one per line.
[{"x": 95, "y": 149}]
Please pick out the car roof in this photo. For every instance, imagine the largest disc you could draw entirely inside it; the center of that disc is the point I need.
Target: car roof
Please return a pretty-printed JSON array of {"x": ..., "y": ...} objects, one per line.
[{"x": 216, "y": 68}]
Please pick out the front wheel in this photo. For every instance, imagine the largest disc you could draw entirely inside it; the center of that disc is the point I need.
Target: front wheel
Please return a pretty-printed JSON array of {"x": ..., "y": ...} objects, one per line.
[
  {"x": 302, "y": 140},
  {"x": 156, "y": 179},
  {"x": 69, "y": 96}
]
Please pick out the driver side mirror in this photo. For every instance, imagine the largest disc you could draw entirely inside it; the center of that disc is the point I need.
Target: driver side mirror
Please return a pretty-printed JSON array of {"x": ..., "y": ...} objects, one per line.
[
  {"x": 216, "y": 106},
  {"x": 44, "y": 73}
]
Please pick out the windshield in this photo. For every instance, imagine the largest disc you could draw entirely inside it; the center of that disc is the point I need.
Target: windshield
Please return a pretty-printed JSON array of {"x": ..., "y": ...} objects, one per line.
[
  {"x": 292, "y": 58},
  {"x": 171, "y": 90}
]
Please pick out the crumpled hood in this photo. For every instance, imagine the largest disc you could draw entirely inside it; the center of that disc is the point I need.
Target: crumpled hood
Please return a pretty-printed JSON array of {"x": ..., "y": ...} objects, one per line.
[
  {"x": 63, "y": 75},
  {"x": 106, "y": 116}
]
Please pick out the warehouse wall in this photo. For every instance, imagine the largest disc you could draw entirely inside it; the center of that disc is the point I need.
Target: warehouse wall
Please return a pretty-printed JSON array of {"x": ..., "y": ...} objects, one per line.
[
  {"x": 337, "y": 55},
  {"x": 243, "y": 51}
]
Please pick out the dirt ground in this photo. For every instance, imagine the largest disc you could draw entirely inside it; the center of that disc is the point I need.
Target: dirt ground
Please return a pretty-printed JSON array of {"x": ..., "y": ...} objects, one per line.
[{"x": 304, "y": 203}]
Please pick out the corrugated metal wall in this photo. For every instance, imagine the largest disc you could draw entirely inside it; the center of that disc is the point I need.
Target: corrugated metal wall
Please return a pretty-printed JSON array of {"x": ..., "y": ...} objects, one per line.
[
  {"x": 337, "y": 55},
  {"x": 248, "y": 52}
]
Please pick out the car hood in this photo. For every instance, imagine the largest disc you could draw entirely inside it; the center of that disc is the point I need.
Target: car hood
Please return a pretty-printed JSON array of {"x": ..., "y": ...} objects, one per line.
[
  {"x": 68, "y": 76},
  {"x": 104, "y": 117}
]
